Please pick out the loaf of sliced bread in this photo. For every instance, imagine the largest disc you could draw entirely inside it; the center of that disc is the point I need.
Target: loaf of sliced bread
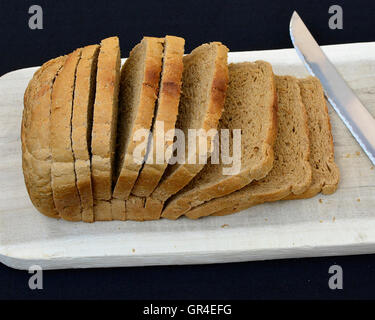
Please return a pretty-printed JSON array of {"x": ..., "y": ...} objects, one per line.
[
  {"x": 84, "y": 94},
  {"x": 140, "y": 78},
  {"x": 250, "y": 106},
  {"x": 104, "y": 127},
  {"x": 36, "y": 138},
  {"x": 85, "y": 121},
  {"x": 204, "y": 86},
  {"x": 64, "y": 187},
  {"x": 325, "y": 173},
  {"x": 291, "y": 172},
  {"x": 165, "y": 116}
]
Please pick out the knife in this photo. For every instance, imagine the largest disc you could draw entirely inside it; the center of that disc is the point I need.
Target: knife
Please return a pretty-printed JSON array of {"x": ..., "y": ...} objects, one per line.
[{"x": 341, "y": 97}]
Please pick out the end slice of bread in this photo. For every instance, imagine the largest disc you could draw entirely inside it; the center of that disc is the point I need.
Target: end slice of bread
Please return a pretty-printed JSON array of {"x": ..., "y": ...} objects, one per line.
[
  {"x": 165, "y": 116},
  {"x": 104, "y": 128},
  {"x": 36, "y": 137},
  {"x": 84, "y": 94},
  {"x": 64, "y": 187},
  {"x": 291, "y": 173},
  {"x": 140, "y": 78},
  {"x": 250, "y": 106},
  {"x": 325, "y": 172},
  {"x": 204, "y": 86}
]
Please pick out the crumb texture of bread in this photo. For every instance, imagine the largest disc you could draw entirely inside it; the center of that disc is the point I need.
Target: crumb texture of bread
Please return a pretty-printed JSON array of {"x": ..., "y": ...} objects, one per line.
[
  {"x": 84, "y": 94},
  {"x": 139, "y": 86},
  {"x": 291, "y": 172},
  {"x": 104, "y": 127},
  {"x": 64, "y": 187},
  {"x": 325, "y": 172},
  {"x": 250, "y": 106},
  {"x": 204, "y": 85},
  {"x": 36, "y": 138},
  {"x": 166, "y": 111}
]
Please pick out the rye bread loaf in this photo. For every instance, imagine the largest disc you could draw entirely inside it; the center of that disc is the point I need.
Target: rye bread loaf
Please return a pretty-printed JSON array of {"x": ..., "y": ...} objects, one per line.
[
  {"x": 84, "y": 94},
  {"x": 204, "y": 86},
  {"x": 325, "y": 173},
  {"x": 291, "y": 172},
  {"x": 165, "y": 117},
  {"x": 250, "y": 106},
  {"x": 104, "y": 127},
  {"x": 64, "y": 187},
  {"x": 140, "y": 76},
  {"x": 36, "y": 138}
]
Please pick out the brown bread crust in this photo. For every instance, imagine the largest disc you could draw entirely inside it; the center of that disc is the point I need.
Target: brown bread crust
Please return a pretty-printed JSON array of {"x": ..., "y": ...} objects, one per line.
[
  {"x": 65, "y": 192},
  {"x": 134, "y": 207},
  {"x": 118, "y": 210},
  {"x": 105, "y": 118},
  {"x": 35, "y": 137},
  {"x": 81, "y": 127},
  {"x": 102, "y": 210}
]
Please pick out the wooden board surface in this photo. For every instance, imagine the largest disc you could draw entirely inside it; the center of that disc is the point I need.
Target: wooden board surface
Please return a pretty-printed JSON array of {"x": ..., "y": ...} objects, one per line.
[{"x": 343, "y": 223}]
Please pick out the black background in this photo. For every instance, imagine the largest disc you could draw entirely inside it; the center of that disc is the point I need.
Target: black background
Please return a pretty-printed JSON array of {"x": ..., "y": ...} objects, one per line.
[{"x": 241, "y": 25}]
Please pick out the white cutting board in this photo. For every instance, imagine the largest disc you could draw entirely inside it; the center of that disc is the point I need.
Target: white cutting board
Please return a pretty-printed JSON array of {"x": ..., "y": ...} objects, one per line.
[{"x": 343, "y": 223}]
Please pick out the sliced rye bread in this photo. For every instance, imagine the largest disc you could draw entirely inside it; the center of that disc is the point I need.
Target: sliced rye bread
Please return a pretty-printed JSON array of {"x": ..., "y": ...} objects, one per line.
[
  {"x": 291, "y": 172},
  {"x": 166, "y": 111},
  {"x": 204, "y": 85},
  {"x": 36, "y": 138},
  {"x": 251, "y": 106},
  {"x": 104, "y": 128},
  {"x": 64, "y": 187},
  {"x": 84, "y": 94},
  {"x": 140, "y": 77},
  {"x": 325, "y": 173}
]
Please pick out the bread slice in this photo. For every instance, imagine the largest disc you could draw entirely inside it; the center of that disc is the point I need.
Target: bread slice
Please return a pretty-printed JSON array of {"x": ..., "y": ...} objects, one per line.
[
  {"x": 64, "y": 187},
  {"x": 35, "y": 137},
  {"x": 84, "y": 94},
  {"x": 251, "y": 106},
  {"x": 204, "y": 86},
  {"x": 140, "y": 76},
  {"x": 291, "y": 172},
  {"x": 165, "y": 113},
  {"x": 325, "y": 173},
  {"x": 104, "y": 130}
]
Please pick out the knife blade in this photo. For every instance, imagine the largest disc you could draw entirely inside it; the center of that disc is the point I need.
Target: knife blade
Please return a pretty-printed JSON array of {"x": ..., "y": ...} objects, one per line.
[{"x": 341, "y": 97}]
